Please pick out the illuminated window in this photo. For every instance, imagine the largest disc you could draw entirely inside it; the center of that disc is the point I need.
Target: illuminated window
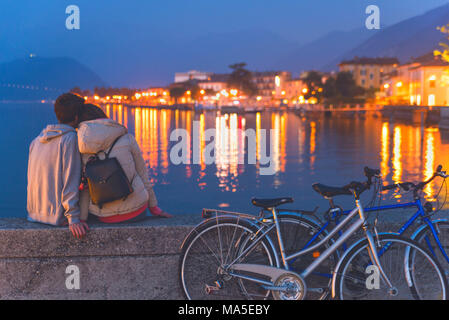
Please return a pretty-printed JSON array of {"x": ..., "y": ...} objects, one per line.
[
  {"x": 432, "y": 81},
  {"x": 431, "y": 100}
]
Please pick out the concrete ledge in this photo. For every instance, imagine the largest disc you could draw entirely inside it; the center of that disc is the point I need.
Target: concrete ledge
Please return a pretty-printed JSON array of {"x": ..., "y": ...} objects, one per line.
[{"x": 129, "y": 261}]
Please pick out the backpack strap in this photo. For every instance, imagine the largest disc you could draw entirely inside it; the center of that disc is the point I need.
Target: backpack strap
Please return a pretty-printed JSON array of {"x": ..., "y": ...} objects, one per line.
[{"x": 112, "y": 145}]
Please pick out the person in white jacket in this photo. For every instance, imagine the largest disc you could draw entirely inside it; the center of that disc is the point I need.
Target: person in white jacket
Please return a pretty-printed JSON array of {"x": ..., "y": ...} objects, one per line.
[{"x": 54, "y": 170}]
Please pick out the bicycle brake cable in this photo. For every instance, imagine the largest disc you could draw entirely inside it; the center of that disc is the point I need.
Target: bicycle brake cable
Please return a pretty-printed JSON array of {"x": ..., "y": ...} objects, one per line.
[
  {"x": 379, "y": 200},
  {"x": 437, "y": 198}
]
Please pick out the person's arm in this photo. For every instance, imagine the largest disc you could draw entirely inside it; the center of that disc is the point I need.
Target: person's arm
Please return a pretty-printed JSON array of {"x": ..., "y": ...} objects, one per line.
[
  {"x": 71, "y": 175},
  {"x": 142, "y": 170}
]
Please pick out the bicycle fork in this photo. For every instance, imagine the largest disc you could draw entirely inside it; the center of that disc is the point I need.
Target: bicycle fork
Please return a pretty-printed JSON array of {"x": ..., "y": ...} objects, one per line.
[{"x": 373, "y": 252}]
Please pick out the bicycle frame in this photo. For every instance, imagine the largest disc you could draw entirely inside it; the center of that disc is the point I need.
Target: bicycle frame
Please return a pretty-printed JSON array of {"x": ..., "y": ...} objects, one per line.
[
  {"x": 418, "y": 214},
  {"x": 274, "y": 273}
]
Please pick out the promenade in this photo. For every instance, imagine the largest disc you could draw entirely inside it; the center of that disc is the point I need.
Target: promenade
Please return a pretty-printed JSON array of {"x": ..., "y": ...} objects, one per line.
[{"x": 129, "y": 261}]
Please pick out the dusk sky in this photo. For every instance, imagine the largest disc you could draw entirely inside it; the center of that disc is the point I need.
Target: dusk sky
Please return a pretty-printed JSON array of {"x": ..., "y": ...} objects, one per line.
[{"x": 138, "y": 43}]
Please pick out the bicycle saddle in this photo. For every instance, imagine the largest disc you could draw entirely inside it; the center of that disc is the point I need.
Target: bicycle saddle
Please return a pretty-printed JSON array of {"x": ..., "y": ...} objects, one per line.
[
  {"x": 270, "y": 203},
  {"x": 329, "y": 192}
]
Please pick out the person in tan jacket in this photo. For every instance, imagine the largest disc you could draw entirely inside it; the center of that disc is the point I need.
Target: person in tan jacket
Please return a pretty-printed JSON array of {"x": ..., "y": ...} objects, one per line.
[{"x": 96, "y": 132}]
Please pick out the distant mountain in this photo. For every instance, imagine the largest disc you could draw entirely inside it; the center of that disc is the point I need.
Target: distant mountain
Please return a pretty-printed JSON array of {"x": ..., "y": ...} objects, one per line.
[
  {"x": 410, "y": 38},
  {"x": 321, "y": 51},
  {"x": 43, "y": 78},
  {"x": 216, "y": 51}
]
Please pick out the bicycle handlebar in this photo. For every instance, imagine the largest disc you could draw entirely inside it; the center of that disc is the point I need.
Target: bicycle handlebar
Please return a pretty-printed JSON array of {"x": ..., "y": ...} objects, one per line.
[
  {"x": 406, "y": 186},
  {"x": 369, "y": 173}
]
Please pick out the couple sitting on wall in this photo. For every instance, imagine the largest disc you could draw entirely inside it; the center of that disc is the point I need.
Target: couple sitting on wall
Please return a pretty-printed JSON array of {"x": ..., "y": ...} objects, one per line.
[{"x": 69, "y": 177}]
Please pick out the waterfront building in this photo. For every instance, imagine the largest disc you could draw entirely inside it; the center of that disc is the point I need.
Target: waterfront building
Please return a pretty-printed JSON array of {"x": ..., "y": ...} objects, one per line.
[
  {"x": 270, "y": 83},
  {"x": 153, "y": 96},
  {"x": 423, "y": 81},
  {"x": 191, "y": 75},
  {"x": 368, "y": 72},
  {"x": 215, "y": 82},
  {"x": 294, "y": 91}
]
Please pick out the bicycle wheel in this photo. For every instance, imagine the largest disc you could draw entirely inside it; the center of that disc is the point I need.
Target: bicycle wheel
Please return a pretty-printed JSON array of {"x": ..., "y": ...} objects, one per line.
[
  {"x": 426, "y": 239},
  {"x": 409, "y": 267},
  {"x": 213, "y": 246},
  {"x": 296, "y": 233}
]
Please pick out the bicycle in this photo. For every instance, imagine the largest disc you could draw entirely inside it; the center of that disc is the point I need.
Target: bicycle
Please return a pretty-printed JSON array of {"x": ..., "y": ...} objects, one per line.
[
  {"x": 432, "y": 234},
  {"x": 244, "y": 262}
]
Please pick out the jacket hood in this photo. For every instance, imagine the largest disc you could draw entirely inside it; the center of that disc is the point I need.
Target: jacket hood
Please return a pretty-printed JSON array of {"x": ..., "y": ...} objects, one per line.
[
  {"x": 98, "y": 135},
  {"x": 53, "y": 131}
]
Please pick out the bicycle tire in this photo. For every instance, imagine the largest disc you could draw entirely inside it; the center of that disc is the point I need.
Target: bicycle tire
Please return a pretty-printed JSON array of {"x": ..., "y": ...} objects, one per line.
[
  {"x": 295, "y": 239},
  {"x": 195, "y": 288},
  {"x": 353, "y": 277},
  {"x": 430, "y": 243}
]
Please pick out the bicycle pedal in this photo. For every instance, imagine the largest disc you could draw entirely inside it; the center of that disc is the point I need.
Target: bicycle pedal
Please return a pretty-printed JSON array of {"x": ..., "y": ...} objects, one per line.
[
  {"x": 210, "y": 289},
  {"x": 316, "y": 290}
]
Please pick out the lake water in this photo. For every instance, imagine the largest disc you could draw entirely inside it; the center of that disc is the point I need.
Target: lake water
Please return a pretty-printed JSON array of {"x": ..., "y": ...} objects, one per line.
[{"x": 305, "y": 150}]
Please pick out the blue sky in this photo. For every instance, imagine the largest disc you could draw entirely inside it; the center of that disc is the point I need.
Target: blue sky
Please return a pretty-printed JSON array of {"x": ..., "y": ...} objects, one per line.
[{"x": 30, "y": 26}]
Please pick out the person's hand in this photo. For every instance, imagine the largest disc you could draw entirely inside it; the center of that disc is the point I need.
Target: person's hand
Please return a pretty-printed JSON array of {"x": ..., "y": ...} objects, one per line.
[
  {"x": 156, "y": 211},
  {"x": 79, "y": 230}
]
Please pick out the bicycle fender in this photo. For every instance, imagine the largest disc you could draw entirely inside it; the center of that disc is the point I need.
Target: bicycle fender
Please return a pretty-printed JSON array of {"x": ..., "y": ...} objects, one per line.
[
  {"x": 417, "y": 231},
  {"x": 303, "y": 216},
  {"x": 199, "y": 225}
]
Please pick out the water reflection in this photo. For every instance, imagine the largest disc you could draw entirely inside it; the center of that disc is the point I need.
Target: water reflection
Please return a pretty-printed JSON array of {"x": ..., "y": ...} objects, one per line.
[
  {"x": 429, "y": 167},
  {"x": 312, "y": 144},
  {"x": 403, "y": 152},
  {"x": 384, "y": 168},
  {"x": 397, "y": 155}
]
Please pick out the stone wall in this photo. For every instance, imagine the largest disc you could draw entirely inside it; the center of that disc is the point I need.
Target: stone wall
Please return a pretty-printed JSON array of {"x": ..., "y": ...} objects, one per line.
[{"x": 129, "y": 261}]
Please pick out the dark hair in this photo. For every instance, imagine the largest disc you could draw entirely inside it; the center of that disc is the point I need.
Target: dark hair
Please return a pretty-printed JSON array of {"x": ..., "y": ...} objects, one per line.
[
  {"x": 91, "y": 111},
  {"x": 67, "y": 107}
]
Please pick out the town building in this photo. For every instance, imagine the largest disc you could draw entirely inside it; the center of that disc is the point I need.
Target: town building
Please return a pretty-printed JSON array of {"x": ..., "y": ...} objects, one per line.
[
  {"x": 191, "y": 75},
  {"x": 270, "y": 83},
  {"x": 368, "y": 72},
  {"x": 294, "y": 91},
  {"x": 215, "y": 82},
  {"x": 423, "y": 81}
]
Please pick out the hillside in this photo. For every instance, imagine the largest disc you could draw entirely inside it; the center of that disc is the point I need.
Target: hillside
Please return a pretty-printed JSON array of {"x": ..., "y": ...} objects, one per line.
[
  {"x": 410, "y": 38},
  {"x": 321, "y": 51},
  {"x": 43, "y": 78}
]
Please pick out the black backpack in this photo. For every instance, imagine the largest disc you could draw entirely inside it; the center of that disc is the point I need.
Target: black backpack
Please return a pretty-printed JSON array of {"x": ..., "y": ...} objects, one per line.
[{"x": 106, "y": 179}]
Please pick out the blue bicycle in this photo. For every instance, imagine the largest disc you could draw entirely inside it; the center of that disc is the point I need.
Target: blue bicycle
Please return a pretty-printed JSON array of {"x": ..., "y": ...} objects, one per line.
[
  {"x": 305, "y": 228},
  {"x": 233, "y": 255}
]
